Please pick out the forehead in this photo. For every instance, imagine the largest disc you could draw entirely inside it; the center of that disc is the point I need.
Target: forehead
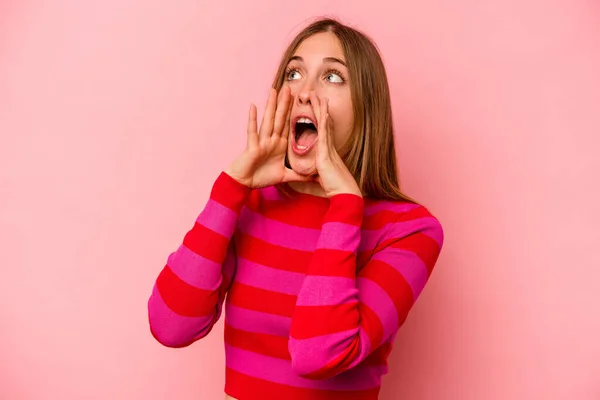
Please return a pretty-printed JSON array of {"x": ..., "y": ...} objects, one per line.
[{"x": 319, "y": 46}]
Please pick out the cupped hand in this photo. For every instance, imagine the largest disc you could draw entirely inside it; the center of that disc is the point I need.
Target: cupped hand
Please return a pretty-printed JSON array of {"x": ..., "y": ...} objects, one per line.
[
  {"x": 262, "y": 163},
  {"x": 333, "y": 175}
]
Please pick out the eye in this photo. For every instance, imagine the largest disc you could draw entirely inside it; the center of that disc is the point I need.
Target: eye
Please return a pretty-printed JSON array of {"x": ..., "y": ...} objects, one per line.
[
  {"x": 334, "y": 77},
  {"x": 293, "y": 75}
]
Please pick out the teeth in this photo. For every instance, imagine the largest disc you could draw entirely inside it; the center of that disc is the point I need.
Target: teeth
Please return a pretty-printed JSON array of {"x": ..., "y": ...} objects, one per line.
[
  {"x": 305, "y": 121},
  {"x": 302, "y": 147}
]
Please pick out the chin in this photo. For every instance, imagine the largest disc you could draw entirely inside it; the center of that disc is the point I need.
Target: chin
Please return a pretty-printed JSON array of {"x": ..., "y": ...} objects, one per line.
[{"x": 303, "y": 165}]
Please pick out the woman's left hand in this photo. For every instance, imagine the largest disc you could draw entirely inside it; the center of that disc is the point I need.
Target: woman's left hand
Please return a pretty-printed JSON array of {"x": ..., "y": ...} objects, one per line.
[{"x": 333, "y": 175}]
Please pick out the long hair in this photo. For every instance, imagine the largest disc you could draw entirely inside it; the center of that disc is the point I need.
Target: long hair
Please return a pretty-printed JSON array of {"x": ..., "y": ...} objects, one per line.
[{"x": 369, "y": 153}]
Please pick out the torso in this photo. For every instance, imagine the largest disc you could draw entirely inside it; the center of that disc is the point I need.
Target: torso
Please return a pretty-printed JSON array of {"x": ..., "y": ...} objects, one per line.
[{"x": 268, "y": 223}]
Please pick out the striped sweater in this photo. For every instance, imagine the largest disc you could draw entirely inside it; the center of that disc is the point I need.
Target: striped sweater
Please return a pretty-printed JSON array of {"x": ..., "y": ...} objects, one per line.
[{"x": 315, "y": 288}]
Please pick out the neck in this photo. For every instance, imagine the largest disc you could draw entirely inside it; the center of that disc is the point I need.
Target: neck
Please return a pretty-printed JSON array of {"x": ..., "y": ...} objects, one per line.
[{"x": 312, "y": 188}]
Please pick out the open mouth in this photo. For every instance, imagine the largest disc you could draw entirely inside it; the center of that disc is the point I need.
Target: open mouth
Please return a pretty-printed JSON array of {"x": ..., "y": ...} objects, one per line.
[{"x": 305, "y": 135}]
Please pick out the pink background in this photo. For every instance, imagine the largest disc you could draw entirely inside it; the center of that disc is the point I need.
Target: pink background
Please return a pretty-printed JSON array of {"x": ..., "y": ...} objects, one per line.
[{"x": 116, "y": 117}]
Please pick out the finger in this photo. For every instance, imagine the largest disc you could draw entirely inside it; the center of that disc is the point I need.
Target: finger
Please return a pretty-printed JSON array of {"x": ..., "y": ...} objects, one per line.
[
  {"x": 288, "y": 121},
  {"x": 323, "y": 130},
  {"x": 329, "y": 125},
  {"x": 283, "y": 107},
  {"x": 252, "y": 128},
  {"x": 316, "y": 104},
  {"x": 266, "y": 126}
]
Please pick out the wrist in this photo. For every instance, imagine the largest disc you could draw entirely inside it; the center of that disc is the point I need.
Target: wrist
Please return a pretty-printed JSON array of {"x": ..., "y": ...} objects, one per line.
[
  {"x": 229, "y": 192},
  {"x": 229, "y": 172},
  {"x": 345, "y": 207}
]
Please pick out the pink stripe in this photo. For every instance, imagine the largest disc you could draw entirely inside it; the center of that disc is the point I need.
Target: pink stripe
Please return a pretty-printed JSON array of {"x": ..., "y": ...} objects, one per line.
[
  {"x": 408, "y": 264},
  {"x": 435, "y": 231},
  {"x": 256, "y": 321},
  {"x": 194, "y": 269},
  {"x": 428, "y": 225},
  {"x": 272, "y": 279},
  {"x": 270, "y": 193},
  {"x": 278, "y": 233},
  {"x": 327, "y": 290},
  {"x": 400, "y": 208},
  {"x": 311, "y": 355},
  {"x": 339, "y": 236},
  {"x": 280, "y": 371},
  {"x": 306, "y": 239},
  {"x": 218, "y": 218},
  {"x": 172, "y": 329},
  {"x": 374, "y": 297}
]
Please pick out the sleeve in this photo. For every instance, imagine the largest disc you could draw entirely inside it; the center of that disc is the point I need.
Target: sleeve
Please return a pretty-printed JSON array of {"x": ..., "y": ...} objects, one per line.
[
  {"x": 188, "y": 294},
  {"x": 341, "y": 316}
]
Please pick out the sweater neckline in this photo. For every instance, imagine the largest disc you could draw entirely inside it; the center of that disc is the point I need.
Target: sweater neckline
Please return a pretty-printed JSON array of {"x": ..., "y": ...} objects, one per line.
[{"x": 288, "y": 192}]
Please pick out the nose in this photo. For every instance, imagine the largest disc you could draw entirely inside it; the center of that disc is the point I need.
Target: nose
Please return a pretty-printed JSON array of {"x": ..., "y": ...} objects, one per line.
[{"x": 304, "y": 95}]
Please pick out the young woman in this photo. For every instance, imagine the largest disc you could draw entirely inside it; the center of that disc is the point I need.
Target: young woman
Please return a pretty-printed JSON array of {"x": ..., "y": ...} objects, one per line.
[{"x": 307, "y": 235}]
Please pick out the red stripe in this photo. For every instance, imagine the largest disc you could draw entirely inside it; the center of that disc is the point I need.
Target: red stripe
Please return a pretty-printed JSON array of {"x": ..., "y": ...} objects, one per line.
[
  {"x": 184, "y": 299},
  {"x": 312, "y": 321},
  {"x": 339, "y": 364},
  {"x": 426, "y": 248},
  {"x": 382, "y": 218},
  {"x": 330, "y": 262},
  {"x": 371, "y": 324},
  {"x": 416, "y": 213},
  {"x": 423, "y": 246},
  {"x": 374, "y": 329},
  {"x": 229, "y": 192},
  {"x": 270, "y": 255},
  {"x": 313, "y": 327},
  {"x": 393, "y": 283},
  {"x": 245, "y": 387},
  {"x": 255, "y": 299},
  {"x": 206, "y": 243},
  {"x": 362, "y": 258},
  {"x": 379, "y": 356},
  {"x": 346, "y": 208},
  {"x": 287, "y": 211},
  {"x": 261, "y": 343}
]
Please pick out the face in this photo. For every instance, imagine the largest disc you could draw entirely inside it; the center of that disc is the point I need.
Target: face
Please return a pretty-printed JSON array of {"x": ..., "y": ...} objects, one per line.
[{"x": 317, "y": 71}]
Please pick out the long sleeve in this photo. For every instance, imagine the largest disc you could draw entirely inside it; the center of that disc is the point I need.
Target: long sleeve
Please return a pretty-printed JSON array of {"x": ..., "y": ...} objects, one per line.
[
  {"x": 187, "y": 297},
  {"x": 343, "y": 315}
]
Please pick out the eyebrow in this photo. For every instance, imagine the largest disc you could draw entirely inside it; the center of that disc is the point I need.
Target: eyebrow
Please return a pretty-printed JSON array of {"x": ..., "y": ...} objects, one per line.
[{"x": 326, "y": 59}]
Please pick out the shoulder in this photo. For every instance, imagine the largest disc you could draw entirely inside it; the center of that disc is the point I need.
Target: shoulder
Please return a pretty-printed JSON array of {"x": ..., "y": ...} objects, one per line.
[{"x": 402, "y": 219}]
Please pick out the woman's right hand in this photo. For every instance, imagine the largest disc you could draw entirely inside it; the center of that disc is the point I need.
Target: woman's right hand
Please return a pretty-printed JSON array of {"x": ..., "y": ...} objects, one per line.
[{"x": 263, "y": 161}]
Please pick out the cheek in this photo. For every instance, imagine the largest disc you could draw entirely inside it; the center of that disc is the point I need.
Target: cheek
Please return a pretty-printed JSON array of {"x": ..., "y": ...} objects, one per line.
[
  {"x": 342, "y": 123},
  {"x": 294, "y": 87}
]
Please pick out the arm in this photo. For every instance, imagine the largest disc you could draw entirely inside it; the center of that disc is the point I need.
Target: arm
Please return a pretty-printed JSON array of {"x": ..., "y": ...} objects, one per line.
[
  {"x": 187, "y": 297},
  {"x": 341, "y": 317}
]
